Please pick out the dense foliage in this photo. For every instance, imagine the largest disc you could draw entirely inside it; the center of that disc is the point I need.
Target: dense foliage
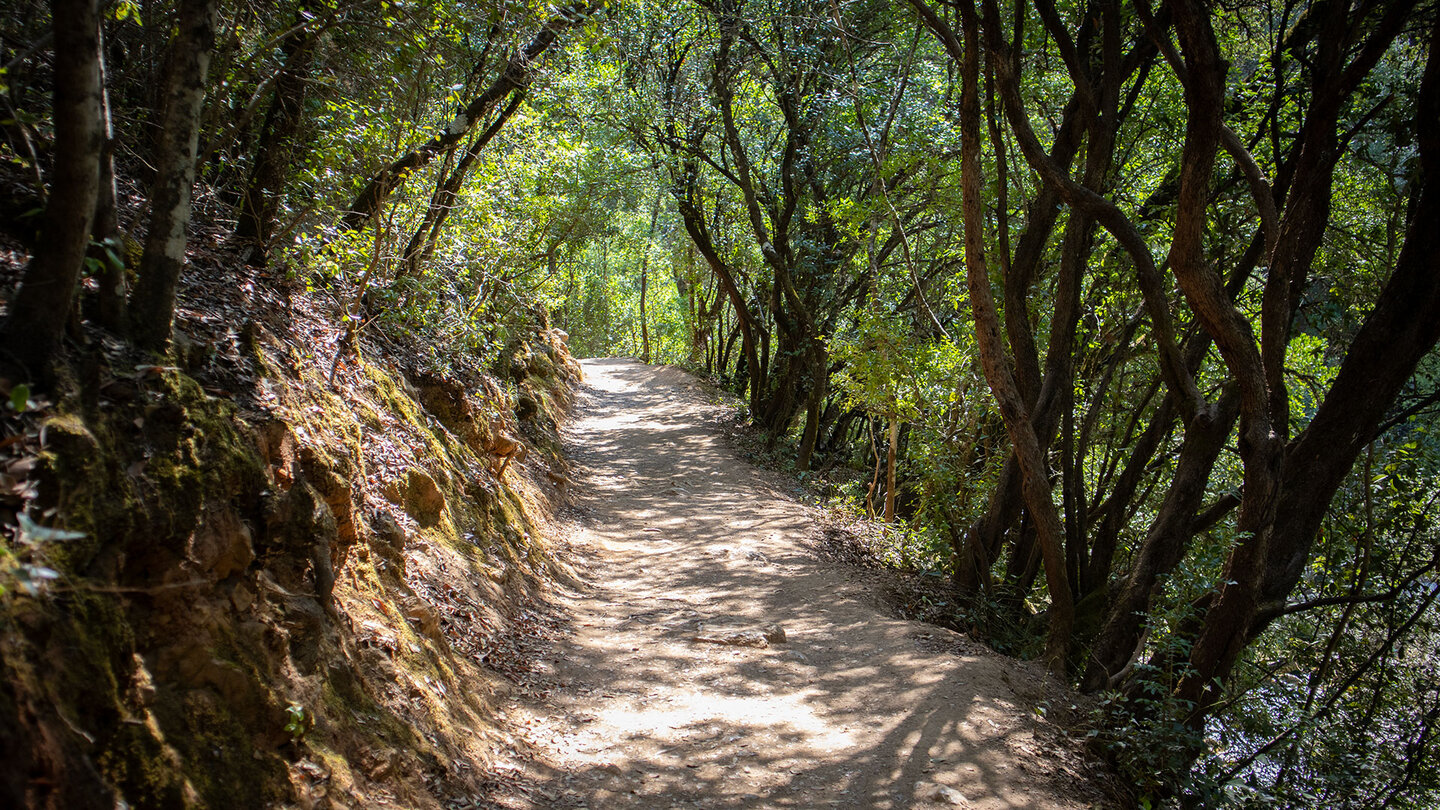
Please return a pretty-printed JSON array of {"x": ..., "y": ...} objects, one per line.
[{"x": 1123, "y": 313}]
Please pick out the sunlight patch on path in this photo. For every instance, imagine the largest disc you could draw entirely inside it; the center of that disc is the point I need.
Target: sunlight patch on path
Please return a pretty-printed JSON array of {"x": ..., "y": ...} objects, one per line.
[{"x": 783, "y": 716}]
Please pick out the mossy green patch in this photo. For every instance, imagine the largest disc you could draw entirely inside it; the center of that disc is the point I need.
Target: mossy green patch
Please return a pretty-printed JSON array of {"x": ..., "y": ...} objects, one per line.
[
  {"x": 218, "y": 755},
  {"x": 143, "y": 769}
]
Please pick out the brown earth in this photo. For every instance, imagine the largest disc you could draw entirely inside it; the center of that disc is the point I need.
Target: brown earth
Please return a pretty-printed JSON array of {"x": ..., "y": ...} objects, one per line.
[{"x": 672, "y": 688}]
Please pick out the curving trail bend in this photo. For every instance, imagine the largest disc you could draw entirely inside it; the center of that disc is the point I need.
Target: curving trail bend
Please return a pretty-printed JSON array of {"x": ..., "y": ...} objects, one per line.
[{"x": 686, "y": 547}]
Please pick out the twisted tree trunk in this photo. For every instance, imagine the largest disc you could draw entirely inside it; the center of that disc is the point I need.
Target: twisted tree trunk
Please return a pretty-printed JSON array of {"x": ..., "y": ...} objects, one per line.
[{"x": 1035, "y": 480}]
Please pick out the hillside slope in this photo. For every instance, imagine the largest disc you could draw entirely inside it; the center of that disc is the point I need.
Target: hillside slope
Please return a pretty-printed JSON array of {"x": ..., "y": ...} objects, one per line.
[{"x": 268, "y": 577}]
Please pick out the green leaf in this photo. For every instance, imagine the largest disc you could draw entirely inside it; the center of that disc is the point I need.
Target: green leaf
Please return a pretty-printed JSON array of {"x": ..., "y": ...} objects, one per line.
[
  {"x": 127, "y": 10},
  {"x": 20, "y": 398},
  {"x": 299, "y": 723}
]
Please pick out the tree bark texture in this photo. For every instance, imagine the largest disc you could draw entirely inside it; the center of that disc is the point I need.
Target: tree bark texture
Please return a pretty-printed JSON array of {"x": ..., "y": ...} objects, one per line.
[
  {"x": 1035, "y": 479},
  {"x": 152, "y": 308},
  {"x": 274, "y": 153},
  {"x": 42, "y": 305}
]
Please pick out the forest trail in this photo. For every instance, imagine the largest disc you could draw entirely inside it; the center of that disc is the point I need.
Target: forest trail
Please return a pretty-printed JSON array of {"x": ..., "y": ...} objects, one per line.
[{"x": 681, "y": 541}]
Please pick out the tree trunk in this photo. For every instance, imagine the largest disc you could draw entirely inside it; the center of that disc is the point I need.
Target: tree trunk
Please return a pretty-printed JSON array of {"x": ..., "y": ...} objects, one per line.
[
  {"x": 1403, "y": 326},
  {"x": 275, "y": 150},
  {"x": 1260, "y": 448},
  {"x": 890, "y": 454},
  {"x": 1022, "y": 433},
  {"x": 1114, "y": 511},
  {"x": 422, "y": 243},
  {"x": 694, "y": 222},
  {"x": 644, "y": 316},
  {"x": 42, "y": 305},
  {"x": 985, "y": 536},
  {"x": 645, "y": 282},
  {"x": 1163, "y": 547},
  {"x": 783, "y": 390},
  {"x": 1205, "y": 434},
  {"x": 819, "y": 369},
  {"x": 106, "y": 241},
  {"x": 153, "y": 308},
  {"x": 1401, "y": 329}
]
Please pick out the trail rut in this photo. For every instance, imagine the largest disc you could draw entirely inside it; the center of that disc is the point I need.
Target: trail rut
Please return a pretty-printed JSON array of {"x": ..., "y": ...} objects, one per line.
[{"x": 683, "y": 545}]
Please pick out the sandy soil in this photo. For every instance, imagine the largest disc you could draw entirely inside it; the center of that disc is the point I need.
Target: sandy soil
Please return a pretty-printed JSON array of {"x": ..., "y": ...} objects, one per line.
[{"x": 655, "y": 699}]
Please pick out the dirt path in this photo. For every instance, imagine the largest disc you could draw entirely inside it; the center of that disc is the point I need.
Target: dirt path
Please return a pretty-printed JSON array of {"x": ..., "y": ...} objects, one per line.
[{"x": 686, "y": 546}]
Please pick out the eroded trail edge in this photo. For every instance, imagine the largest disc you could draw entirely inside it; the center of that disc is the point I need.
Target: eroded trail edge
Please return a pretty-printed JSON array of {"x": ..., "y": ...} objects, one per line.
[{"x": 663, "y": 695}]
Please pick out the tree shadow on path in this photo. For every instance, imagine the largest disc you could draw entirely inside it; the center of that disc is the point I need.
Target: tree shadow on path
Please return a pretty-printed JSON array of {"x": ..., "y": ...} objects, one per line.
[{"x": 855, "y": 708}]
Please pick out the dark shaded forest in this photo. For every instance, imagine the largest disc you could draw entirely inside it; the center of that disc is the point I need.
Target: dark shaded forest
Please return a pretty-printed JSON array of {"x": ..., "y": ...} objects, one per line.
[{"x": 1117, "y": 318}]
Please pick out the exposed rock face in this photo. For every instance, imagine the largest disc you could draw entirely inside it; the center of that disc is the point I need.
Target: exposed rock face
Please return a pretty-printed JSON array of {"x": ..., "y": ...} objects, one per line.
[
  {"x": 331, "y": 477},
  {"x": 222, "y": 546},
  {"x": 419, "y": 613},
  {"x": 423, "y": 499},
  {"x": 447, "y": 399}
]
